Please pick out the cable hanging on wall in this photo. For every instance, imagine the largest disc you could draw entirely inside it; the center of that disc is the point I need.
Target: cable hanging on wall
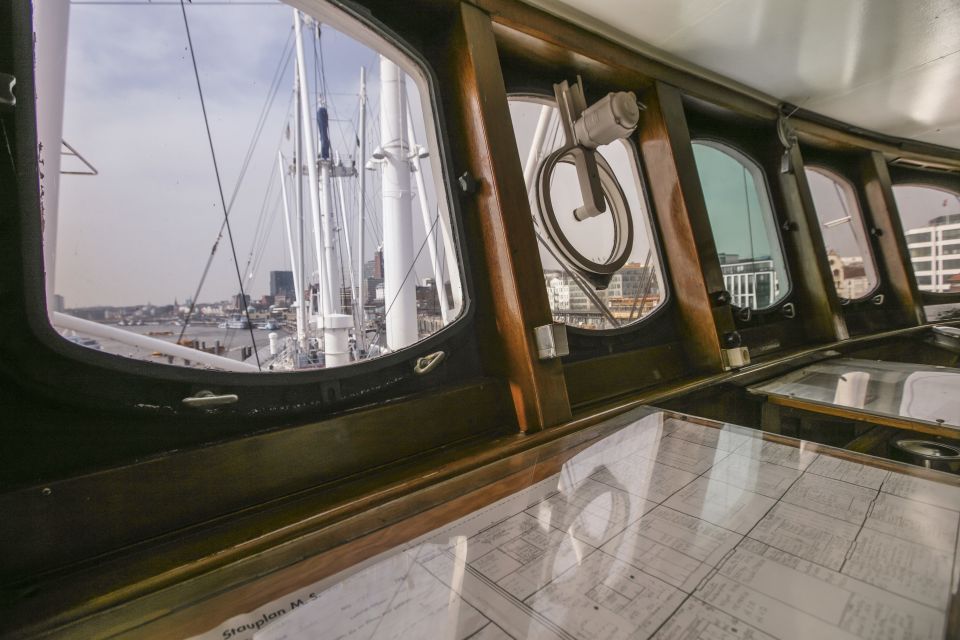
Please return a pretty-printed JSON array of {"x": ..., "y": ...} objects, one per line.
[{"x": 585, "y": 129}]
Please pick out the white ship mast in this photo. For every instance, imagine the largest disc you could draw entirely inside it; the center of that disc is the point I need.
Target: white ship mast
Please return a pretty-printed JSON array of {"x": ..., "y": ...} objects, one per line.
[
  {"x": 51, "y": 26},
  {"x": 361, "y": 211},
  {"x": 400, "y": 294},
  {"x": 294, "y": 264},
  {"x": 336, "y": 325}
]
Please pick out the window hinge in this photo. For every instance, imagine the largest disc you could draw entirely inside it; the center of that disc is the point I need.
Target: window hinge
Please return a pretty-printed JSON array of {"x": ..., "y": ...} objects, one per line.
[
  {"x": 7, "y": 98},
  {"x": 209, "y": 400},
  {"x": 551, "y": 341},
  {"x": 428, "y": 363}
]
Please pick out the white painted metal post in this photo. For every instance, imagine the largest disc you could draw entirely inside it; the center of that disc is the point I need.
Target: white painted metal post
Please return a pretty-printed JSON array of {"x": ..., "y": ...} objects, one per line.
[
  {"x": 329, "y": 283},
  {"x": 297, "y": 284},
  {"x": 533, "y": 157},
  {"x": 302, "y": 298},
  {"x": 361, "y": 209},
  {"x": 346, "y": 243},
  {"x": 400, "y": 293},
  {"x": 51, "y": 22},
  {"x": 429, "y": 228},
  {"x": 336, "y": 339}
]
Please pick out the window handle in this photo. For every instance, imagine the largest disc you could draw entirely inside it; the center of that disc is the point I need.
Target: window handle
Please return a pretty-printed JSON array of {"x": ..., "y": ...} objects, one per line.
[
  {"x": 208, "y": 400},
  {"x": 426, "y": 364}
]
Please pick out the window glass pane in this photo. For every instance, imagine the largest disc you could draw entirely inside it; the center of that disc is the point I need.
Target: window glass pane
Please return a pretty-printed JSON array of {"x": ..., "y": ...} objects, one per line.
[
  {"x": 841, "y": 223},
  {"x": 309, "y": 272},
  {"x": 636, "y": 289},
  {"x": 931, "y": 223},
  {"x": 743, "y": 226}
]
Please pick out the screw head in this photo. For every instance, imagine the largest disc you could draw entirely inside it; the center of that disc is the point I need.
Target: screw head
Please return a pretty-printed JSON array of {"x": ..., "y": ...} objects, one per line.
[{"x": 732, "y": 339}]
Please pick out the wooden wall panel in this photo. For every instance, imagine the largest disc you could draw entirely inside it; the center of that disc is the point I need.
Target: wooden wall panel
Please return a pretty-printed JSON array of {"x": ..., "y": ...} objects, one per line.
[
  {"x": 689, "y": 249},
  {"x": 501, "y": 217},
  {"x": 58, "y": 523},
  {"x": 893, "y": 252},
  {"x": 817, "y": 301}
]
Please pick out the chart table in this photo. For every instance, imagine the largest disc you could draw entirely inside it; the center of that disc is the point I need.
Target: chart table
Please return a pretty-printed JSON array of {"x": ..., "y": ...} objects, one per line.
[
  {"x": 917, "y": 397},
  {"x": 671, "y": 528}
]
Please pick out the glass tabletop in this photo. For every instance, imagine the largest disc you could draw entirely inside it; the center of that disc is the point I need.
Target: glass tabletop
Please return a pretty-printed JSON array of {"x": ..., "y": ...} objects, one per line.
[
  {"x": 890, "y": 389},
  {"x": 670, "y": 528}
]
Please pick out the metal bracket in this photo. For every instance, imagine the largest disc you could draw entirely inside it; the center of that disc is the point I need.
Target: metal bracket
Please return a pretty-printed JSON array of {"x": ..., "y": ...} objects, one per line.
[
  {"x": 468, "y": 183},
  {"x": 788, "y": 138},
  {"x": 946, "y": 338},
  {"x": 952, "y": 332},
  {"x": 735, "y": 358},
  {"x": 877, "y": 299},
  {"x": 789, "y": 310},
  {"x": 572, "y": 103},
  {"x": 551, "y": 340},
  {"x": 786, "y": 133},
  {"x": 73, "y": 153}
]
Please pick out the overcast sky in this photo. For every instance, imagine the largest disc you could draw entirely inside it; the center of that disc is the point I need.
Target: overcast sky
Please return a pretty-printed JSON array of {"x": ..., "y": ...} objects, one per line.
[{"x": 141, "y": 231}]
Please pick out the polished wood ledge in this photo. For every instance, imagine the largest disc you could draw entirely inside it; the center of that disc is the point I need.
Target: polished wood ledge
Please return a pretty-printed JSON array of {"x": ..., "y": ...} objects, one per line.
[{"x": 292, "y": 552}]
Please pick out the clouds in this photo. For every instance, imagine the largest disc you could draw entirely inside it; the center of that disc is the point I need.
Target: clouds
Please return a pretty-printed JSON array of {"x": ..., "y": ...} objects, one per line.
[{"x": 142, "y": 229}]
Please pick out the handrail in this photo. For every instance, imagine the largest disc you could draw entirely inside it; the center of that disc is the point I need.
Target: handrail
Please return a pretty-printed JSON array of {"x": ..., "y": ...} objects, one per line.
[{"x": 65, "y": 321}]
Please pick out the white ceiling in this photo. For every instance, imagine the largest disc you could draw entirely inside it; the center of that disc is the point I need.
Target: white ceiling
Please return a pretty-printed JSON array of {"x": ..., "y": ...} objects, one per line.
[{"x": 892, "y": 66}]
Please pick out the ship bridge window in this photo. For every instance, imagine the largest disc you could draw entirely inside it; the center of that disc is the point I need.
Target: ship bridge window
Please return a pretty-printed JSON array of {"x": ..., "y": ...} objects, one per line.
[
  {"x": 267, "y": 203},
  {"x": 932, "y": 216},
  {"x": 631, "y": 291},
  {"x": 844, "y": 234},
  {"x": 744, "y": 229}
]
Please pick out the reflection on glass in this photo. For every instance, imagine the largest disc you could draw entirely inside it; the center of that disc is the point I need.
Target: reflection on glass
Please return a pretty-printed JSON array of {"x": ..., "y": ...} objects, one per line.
[
  {"x": 841, "y": 224},
  {"x": 931, "y": 222},
  {"x": 323, "y": 153},
  {"x": 894, "y": 389},
  {"x": 667, "y": 528},
  {"x": 743, "y": 225},
  {"x": 938, "y": 312},
  {"x": 637, "y": 288}
]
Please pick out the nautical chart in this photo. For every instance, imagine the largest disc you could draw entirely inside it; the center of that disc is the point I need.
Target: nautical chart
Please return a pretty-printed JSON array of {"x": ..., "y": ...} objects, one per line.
[{"x": 668, "y": 530}]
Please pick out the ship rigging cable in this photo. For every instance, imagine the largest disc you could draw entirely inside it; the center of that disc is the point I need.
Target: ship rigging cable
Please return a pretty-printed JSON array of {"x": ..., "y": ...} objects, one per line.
[
  {"x": 263, "y": 229},
  {"x": 223, "y": 200},
  {"x": 285, "y": 56}
]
